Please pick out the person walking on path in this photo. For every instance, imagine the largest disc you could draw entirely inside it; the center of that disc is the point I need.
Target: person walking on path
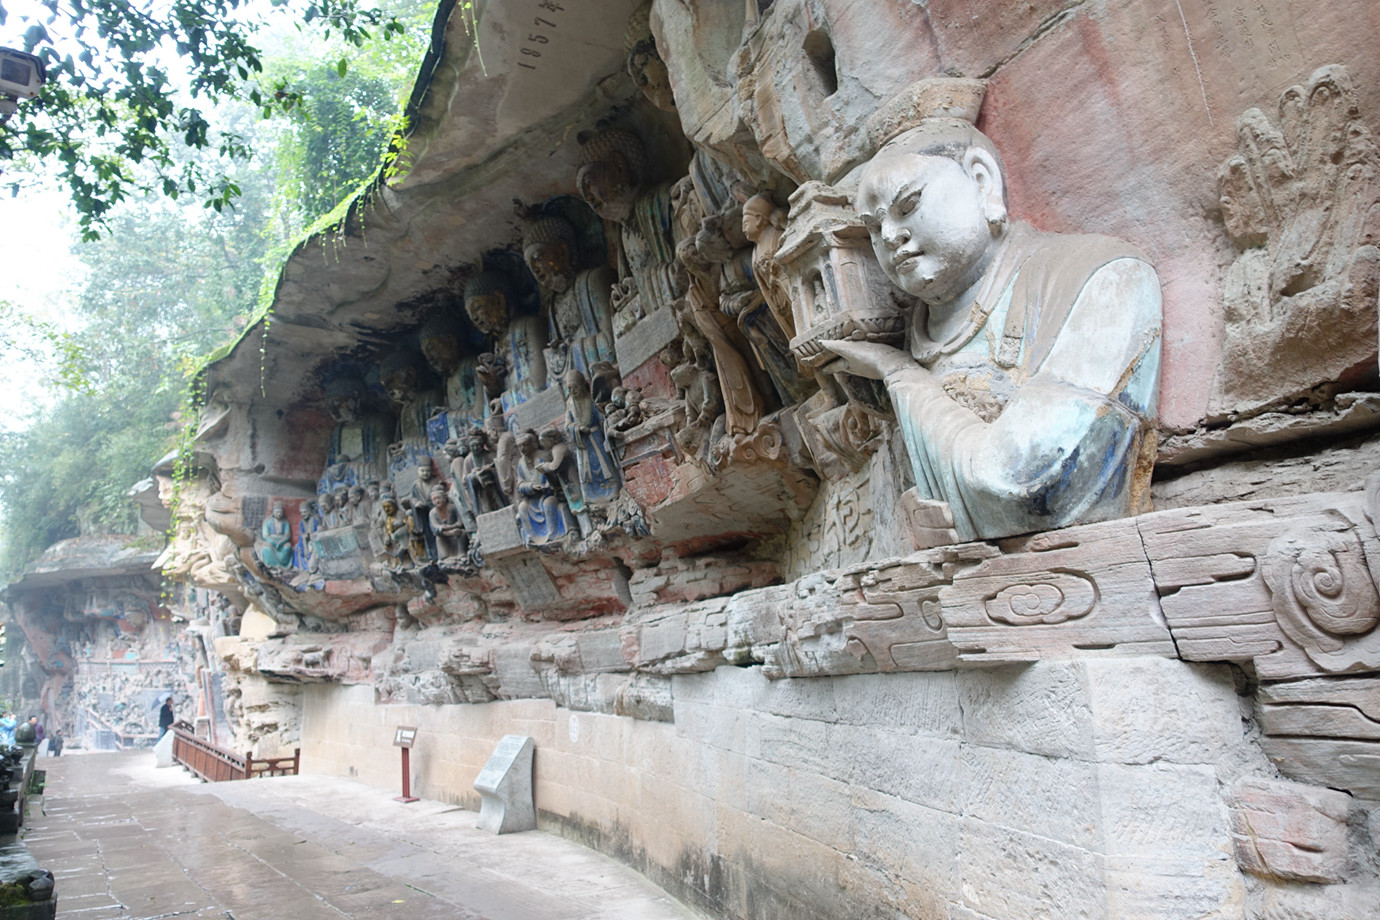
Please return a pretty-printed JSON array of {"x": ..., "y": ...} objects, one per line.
[
  {"x": 165, "y": 718},
  {"x": 55, "y": 744}
]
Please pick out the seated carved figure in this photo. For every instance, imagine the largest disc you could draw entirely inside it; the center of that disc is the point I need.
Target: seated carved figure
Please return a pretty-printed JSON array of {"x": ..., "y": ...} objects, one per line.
[
  {"x": 1027, "y": 394},
  {"x": 277, "y": 534}
]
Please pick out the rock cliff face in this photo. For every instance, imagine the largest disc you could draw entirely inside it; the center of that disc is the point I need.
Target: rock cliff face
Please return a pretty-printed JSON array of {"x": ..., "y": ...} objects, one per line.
[
  {"x": 896, "y": 459},
  {"x": 96, "y": 647}
]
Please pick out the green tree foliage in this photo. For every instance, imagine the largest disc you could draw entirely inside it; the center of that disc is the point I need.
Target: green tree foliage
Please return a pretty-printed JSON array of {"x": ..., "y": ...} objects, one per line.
[
  {"x": 165, "y": 285},
  {"x": 171, "y": 280},
  {"x": 130, "y": 82},
  {"x": 341, "y": 112}
]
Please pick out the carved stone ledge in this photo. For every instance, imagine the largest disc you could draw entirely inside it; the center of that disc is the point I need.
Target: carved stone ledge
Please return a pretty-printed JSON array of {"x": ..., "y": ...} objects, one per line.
[
  {"x": 1325, "y": 731},
  {"x": 1349, "y": 414},
  {"x": 1251, "y": 581},
  {"x": 1081, "y": 591}
]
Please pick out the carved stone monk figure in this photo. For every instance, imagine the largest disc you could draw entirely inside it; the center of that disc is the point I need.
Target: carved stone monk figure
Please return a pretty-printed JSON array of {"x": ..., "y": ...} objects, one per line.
[
  {"x": 1028, "y": 392},
  {"x": 277, "y": 534},
  {"x": 446, "y": 526}
]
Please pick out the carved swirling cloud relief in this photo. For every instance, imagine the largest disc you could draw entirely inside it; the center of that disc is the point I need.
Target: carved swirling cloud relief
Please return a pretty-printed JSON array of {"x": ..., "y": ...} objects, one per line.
[
  {"x": 1324, "y": 596},
  {"x": 1063, "y": 596}
]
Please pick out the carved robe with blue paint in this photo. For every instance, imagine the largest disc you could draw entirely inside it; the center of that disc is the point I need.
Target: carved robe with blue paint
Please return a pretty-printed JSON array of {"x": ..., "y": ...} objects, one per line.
[
  {"x": 599, "y": 478},
  {"x": 1040, "y": 412}
]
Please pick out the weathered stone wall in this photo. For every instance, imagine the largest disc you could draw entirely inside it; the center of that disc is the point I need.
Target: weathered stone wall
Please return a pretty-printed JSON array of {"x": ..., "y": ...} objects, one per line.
[{"x": 1069, "y": 789}]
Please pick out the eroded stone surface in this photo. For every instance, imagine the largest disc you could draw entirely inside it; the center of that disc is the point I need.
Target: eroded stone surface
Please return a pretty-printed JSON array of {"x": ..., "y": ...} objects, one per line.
[{"x": 1290, "y": 830}]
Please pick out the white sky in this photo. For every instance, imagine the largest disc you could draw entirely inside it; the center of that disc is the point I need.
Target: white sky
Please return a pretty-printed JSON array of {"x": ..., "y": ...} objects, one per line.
[{"x": 42, "y": 278}]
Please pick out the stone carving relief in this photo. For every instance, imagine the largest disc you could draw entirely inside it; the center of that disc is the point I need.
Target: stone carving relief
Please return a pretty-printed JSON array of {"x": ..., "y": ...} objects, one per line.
[
  {"x": 1323, "y": 589},
  {"x": 358, "y": 452},
  {"x": 1023, "y": 406},
  {"x": 645, "y": 66},
  {"x": 276, "y": 551},
  {"x": 1301, "y": 203},
  {"x": 1065, "y": 596}
]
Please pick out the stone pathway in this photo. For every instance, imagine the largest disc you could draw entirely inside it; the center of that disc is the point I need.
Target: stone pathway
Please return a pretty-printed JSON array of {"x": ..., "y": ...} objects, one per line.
[{"x": 128, "y": 840}]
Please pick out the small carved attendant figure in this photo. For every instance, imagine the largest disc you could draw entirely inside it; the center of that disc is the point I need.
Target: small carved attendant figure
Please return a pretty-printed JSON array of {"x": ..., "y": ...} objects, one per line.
[
  {"x": 458, "y": 450},
  {"x": 620, "y": 416},
  {"x": 451, "y": 539},
  {"x": 481, "y": 477},
  {"x": 310, "y": 524},
  {"x": 492, "y": 371},
  {"x": 344, "y": 514},
  {"x": 1027, "y": 397},
  {"x": 277, "y": 534},
  {"x": 539, "y": 512},
  {"x": 743, "y": 403},
  {"x": 560, "y": 469},
  {"x": 599, "y": 480},
  {"x": 329, "y": 517},
  {"x": 393, "y": 529},
  {"x": 763, "y": 223},
  {"x": 355, "y": 506},
  {"x": 503, "y": 446},
  {"x": 371, "y": 499},
  {"x": 420, "y": 505}
]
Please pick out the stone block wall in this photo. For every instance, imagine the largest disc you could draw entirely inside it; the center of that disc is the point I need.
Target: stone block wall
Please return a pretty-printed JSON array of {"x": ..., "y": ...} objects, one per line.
[{"x": 1089, "y": 789}]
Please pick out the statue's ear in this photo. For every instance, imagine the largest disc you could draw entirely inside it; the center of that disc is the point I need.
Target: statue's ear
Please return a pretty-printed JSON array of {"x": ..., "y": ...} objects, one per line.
[{"x": 986, "y": 172}]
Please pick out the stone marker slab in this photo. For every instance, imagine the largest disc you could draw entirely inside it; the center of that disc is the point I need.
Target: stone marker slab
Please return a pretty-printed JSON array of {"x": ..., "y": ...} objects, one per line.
[
  {"x": 505, "y": 788},
  {"x": 498, "y": 533},
  {"x": 546, "y": 408},
  {"x": 532, "y": 584},
  {"x": 642, "y": 342}
]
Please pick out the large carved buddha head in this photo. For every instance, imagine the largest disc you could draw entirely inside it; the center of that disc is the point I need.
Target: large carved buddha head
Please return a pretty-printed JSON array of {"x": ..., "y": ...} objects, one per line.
[
  {"x": 488, "y": 301},
  {"x": 612, "y": 171},
  {"x": 548, "y": 248},
  {"x": 399, "y": 376},
  {"x": 344, "y": 398},
  {"x": 933, "y": 201},
  {"x": 645, "y": 66},
  {"x": 439, "y": 338}
]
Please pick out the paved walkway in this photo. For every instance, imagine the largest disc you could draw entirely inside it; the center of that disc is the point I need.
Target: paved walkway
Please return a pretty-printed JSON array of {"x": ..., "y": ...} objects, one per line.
[{"x": 128, "y": 840}]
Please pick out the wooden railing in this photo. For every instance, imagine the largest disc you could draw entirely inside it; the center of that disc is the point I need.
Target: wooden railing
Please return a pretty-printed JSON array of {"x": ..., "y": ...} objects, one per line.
[{"x": 216, "y": 764}]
